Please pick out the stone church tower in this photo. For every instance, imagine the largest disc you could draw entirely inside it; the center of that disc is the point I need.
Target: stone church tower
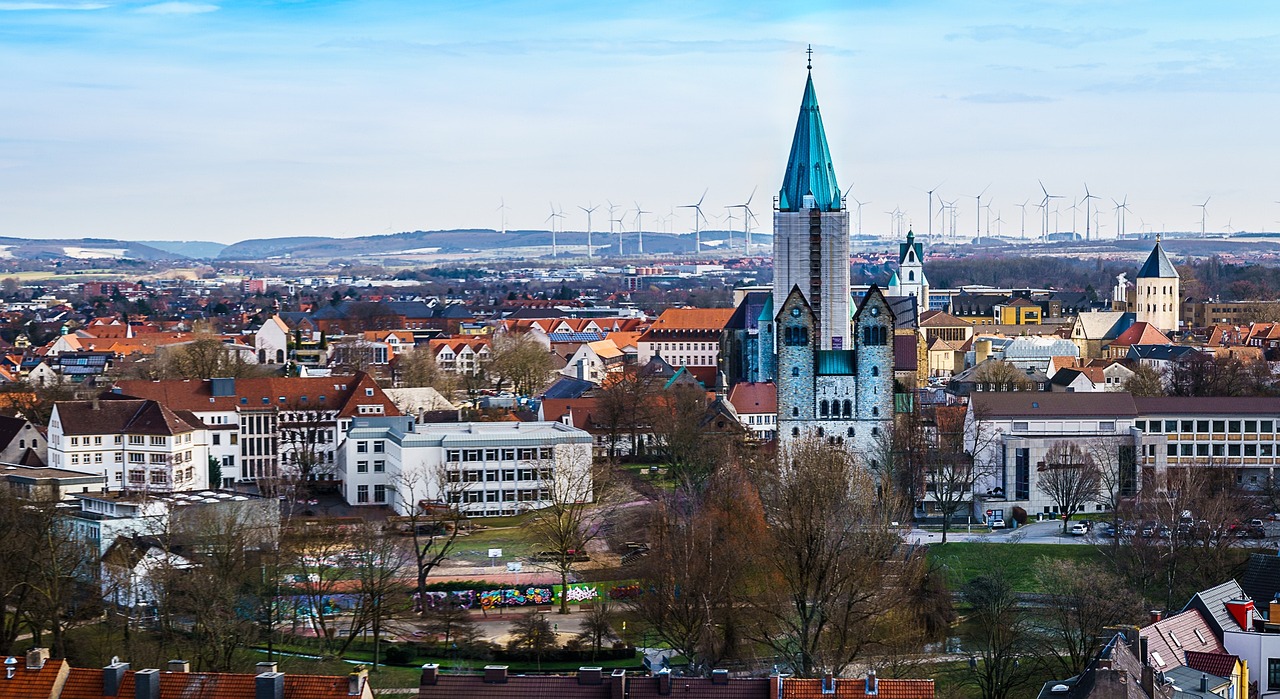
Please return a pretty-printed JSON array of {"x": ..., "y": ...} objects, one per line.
[{"x": 1157, "y": 292}]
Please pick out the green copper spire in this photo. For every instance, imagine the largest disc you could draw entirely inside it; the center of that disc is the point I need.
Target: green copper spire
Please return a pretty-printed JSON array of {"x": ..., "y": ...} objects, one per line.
[{"x": 809, "y": 168}]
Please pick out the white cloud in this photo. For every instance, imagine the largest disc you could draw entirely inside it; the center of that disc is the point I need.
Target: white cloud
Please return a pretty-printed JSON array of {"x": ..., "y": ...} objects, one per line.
[
  {"x": 178, "y": 8},
  {"x": 27, "y": 6}
]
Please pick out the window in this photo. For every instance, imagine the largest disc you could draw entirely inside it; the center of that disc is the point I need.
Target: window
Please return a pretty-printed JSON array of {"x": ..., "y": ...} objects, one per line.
[
  {"x": 873, "y": 335},
  {"x": 97, "y": 441},
  {"x": 75, "y": 441},
  {"x": 1251, "y": 426},
  {"x": 137, "y": 458},
  {"x": 379, "y": 466},
  {"x": 822, "y": 408},
  {"x": 136, "y": 439},
  {"x": 1273, "y": 674},
  {"x": 1268, "y": 426},
  {"x": 379, "y": 447},
  {"x": 1233, "y": 427},
  {"x": 362, "y": 493},
  {"x": 508, "y": 454},
  {"x": 1021, "y": 426},
  {"x": 1171, "y": 449},
  {"x": 379, "y": 493},
  {"x": 1219, "y": 426},
  {"x": 157, "y": 441},
  {"x": 362, "y": 467},
  {"x": 1176, "y": 642},
  {"x": 362, "y": 447},
  {"x": 1107, "y": 426},
  {"x": 847, "y": 408},
  {"x": 217, "y": 439},
  {"x": 1202, "y": 425},
  {"x": 795, "y": 371}
]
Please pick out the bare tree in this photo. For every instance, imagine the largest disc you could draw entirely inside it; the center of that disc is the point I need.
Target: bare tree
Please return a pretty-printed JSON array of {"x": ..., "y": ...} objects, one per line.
[
  {"x": 416, "y": 368},
  {"x": 626, "y": 407},
  {"x": 1001, "y": 632},
  {"x": 1070, "y": 478},
  {"x": 353, "y": 354},
  {"x": 998, "y": 375},
  {"x": 832, "y": 559},
  {"x": 377, "y": 560},
  {"x": 597, "y": 627},
  {"x": 434, "y": 520},
  {"x": 307, "y": 434},
  {"x": 1082, "y": 601},
  {"x": 1116, "y": 460},
  {"x": 518, "y": 359},
  {"x": 578, "y": 504},
  {"x": 531, "y": 632},
  {"x": 1146, "y": 381}
]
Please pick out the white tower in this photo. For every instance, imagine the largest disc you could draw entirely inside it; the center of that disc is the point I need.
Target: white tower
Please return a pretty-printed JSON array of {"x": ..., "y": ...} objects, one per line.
[{"x": 1158, "y": 292}]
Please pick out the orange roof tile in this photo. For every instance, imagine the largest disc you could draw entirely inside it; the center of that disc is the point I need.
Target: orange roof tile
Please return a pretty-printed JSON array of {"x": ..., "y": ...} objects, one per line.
[
  {"x": 855, "y": 688},
  {"x": 343, "y": 393}
]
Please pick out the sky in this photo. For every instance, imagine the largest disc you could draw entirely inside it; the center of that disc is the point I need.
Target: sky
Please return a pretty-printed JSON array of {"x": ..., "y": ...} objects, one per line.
[{"x": 223, "y": 121}]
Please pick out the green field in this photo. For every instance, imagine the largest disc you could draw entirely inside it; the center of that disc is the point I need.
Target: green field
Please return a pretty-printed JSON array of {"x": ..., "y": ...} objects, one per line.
[{"x": 965, "y": 561}]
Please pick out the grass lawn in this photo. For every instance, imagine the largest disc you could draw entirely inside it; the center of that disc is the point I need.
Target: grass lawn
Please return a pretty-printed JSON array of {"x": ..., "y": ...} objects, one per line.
[
  {"x": 965, "y": 561},
  {"x": 515, "y": 542}
]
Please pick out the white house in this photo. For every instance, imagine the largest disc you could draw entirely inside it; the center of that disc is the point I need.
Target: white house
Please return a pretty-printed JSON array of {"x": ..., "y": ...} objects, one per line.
[
  {"x": 272, "y": 341},
  {"x": 486, "y": 468},
  {"x": 592, "y": 361},
  {"x": 135, "y": 444},
  {"x": 757, "y": 408}
]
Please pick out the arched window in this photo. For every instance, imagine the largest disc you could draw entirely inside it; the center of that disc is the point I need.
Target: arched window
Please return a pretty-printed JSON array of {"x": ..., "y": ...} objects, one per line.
[
  {"x": 795, "y": 371},
  {"x": 875, "y": 371},
  {"x": 795, "y": 412},
  {"x": 875, "y": 412},
  {"x": 822, "y": 408},
  {"x": 279, "y": 356},
  {"x": 849, "y": 433},
  {"x": 795, "y": 431},
  {"x": 911, "y": 276},
  {"x": 847, "y": 408}
]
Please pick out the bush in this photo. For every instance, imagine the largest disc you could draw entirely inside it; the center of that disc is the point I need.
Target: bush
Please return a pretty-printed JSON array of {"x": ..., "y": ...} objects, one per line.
[{"x": 397, "y": 655}]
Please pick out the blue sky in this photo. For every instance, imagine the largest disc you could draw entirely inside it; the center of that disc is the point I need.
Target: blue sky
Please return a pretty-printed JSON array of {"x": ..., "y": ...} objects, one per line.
[{"x": 204, "y": 119}]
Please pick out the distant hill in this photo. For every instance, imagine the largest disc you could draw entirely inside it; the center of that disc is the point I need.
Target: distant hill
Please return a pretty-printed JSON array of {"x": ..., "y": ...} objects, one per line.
[
  {"x": 82, "y": 249},
  {"x": 194, "y": 249}
]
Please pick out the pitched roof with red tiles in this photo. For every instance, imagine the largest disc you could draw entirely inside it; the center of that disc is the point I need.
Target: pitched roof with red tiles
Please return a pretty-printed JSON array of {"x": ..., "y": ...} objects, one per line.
[
  {"x": 856, "y": 688},
  {"x": 87, "y": 683},
  {"x": 693, "y": 319},
  {"x": 36, "y": 683},
  {"x": 1141, "y": 334},
  {"x": 515, "y": 687},
  {"x": 751, "y": 398},
  {"x": 941, "y": 319},
  {"x": 457, "y": 344},
  {"x": 1219, "y": 664},
  {"x": 649, "y": 687},
  {"x": 343, "y": 393}
]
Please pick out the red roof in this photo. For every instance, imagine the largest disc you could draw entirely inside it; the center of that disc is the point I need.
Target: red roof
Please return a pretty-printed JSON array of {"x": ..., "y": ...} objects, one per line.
[
  {"x": 1141, "y": 334},
  {"x": 32, "y": 684},
  {"x": 86, "y": 683},
  {"x": 749, "y": 398},
  {"x": 1220, "y": 664},
  {"x": 341, "y": 393},
  {"x": 856, "y": 688},
  {"x": 1170, "y": 638}
]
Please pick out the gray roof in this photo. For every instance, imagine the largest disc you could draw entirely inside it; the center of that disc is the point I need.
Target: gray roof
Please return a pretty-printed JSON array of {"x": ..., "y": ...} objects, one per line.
[
  {"x": 1213, "y": 602},
  {"x": 1158, "y": 265},
  {"x": 1038, "y": 404}
]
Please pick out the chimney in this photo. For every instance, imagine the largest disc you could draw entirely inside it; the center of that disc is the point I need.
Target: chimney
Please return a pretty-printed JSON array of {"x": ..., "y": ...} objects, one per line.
[
  {"x": 590, "y": 675},
  {"x": 1155, "y": 616},
  {"x": 1144, "y": 652},
  {"x": 146, "y": 684},
  {"x": 828, "y": 682},
  {"x": 618, "y": 684},
  {"x": 430, "y": 674},
  {"x": 113, "y": 677},
  {"x": 1204, "y": 682},
  {"x": 1148, "y": 680},
  {"x": 36, "y": 658},
  {"x": 269, "y": 685},
  {"x": 356, "y": 682},
  {"x": 179, "y": 666},
  {"x": 1273, "y": 611},
  {"x": 495, "y": 674},
  {"x": 10, "y": 667},
  {"x": 873, "y": 684},
  {"x": 775, "y": 685},
  {"x": 720, "y": 677},
  {"x": 664, "y": 681},
  {"x": 266, "y": 667}
]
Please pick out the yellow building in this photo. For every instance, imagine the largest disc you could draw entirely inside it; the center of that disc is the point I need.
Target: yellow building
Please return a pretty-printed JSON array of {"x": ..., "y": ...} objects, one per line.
[{"x": 1019, "y": 311}]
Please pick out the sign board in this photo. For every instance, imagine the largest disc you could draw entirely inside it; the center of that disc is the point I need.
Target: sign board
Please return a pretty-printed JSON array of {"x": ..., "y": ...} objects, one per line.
[
  {"x": 514, "y": 567},
  {"x": 495, "y": 553}
]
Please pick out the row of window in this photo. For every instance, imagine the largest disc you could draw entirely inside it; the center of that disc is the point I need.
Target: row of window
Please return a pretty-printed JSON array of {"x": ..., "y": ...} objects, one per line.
[
  {"x": 379, "y": 447},
  {"x": 134, "y": 440},
  {"x": 1205, "y": 426},
  {"x": 522, "y": 495},
  {"x": 378, "y": 466},
  {"x": 1247, "y": 450},
  {"x": 379, "y": 493},
  {"x": 494, "y": 475},
  {"x": 526, "y": 454}
]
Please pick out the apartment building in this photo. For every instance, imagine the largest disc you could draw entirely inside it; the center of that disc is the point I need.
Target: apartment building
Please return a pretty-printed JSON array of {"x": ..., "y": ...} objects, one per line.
[{"x": 485, "y": 468}]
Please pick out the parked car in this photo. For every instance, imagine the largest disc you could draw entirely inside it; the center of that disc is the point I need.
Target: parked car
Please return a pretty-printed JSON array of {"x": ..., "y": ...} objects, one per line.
[
  {"x": 997, "y": 523},
  {"x": 1079, "y": 529},
  {"x": 1256, "y": 529},
  {"x": 1107, "y": 531}
]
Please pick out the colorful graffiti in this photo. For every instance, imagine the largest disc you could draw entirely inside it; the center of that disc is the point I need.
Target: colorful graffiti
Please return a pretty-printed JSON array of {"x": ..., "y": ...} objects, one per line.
[
  {"x": 625, "y": 591},
  {"x": 486, "y": 599},
  {"x": 582, "y": 593}
]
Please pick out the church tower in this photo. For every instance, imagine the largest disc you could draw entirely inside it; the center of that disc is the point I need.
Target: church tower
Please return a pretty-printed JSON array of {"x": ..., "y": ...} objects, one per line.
[
  {"x": 811, "y": 231},
  {"x": 909, "y": 279},
  {"x": 1157, "y": 297}
]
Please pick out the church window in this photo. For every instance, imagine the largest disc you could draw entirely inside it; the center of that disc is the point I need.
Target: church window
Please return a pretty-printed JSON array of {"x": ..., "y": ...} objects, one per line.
[
  {"x": 849, "y": 432},
  {"x": 847, "y": 409},
  {"x": 875, "y": 412},
  {"x": 822, "y": 408},
  {"x": 911, "y": 276},
  {"x": 795, "y": 412},
  {"x": 874, "y": 335},
  {"x": 795, "y": 335},
  {"x": 795, "y": 431},
  {"x": 875, "y": 371}
]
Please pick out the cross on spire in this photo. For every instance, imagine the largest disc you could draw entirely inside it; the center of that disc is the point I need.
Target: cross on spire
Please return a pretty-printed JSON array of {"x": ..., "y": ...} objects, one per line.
[{"x": 810, "y": 52}]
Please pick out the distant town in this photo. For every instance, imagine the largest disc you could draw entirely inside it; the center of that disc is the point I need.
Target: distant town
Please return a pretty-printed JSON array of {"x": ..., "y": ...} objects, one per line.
[{"x": 624, "y": 463}]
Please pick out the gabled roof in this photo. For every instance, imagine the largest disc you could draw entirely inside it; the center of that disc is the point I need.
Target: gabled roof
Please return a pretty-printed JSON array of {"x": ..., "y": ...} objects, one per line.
[
  {"x": 1158, "y": 265},
  {"x": 1169, "y": 638},
  {"x": 934, "y": 318},
  {"x": 1213, "y": 602},
  {"x": 911, "y": 246},
  {"x": 567, "y": 387},
  {"x": 120, "y": 416},
  {"x": 751, "y": 398},
  {"x": 34, "y": 683},
  {"x": 1220, "y": 664},
  {"x": 711, "y": 319},
  {"x": 1142, "y": 333},
  {"x": 86, "y": 683},
  {"x": 1102, "y": 325},
  {"x": 809, "y": 166},
  {"x": 339, "y": 392}
]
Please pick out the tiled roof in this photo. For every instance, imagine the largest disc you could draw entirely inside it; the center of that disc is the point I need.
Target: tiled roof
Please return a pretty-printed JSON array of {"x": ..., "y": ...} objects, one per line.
[
  {"x": 1220, "y": 664},
  {"x": 1213, "y": 405},
  {"x": 751, "y": 398},
  {"x": 1158, "y": 265},
  {"x": 121, "y": 416},
  {"x": 1169, "y": 638},
  {"x": 905, "y": 353},
  {"x": 342, "y": 393},
  {"x": 1141, "y": 334},
  {"x": 647, "y": 687},
  {"x": 32, "y": 684},
  {"x": 516, "y": 687},
  {"x": 693, "y": 319},
  {"x": 1261, "y": 580},
  {"x": 86, "y": 683},
  {"x": 1213, "y": 602},
  {"x": 941, "y": 319},
  {"x": 855, "y": 688}
]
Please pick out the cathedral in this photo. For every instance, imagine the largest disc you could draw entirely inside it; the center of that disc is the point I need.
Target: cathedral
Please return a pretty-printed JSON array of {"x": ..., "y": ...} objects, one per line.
[{"x": 833, "y": 362}]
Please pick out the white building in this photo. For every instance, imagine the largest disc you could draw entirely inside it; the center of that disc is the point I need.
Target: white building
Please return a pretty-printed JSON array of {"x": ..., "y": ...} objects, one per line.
[
  {"x": 486, "y": 468},
  {"x": 135, "y": 444},
  {"x": 1157, "y": 292}
]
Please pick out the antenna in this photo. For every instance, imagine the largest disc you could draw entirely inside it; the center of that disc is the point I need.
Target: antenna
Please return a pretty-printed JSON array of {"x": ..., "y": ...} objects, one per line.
[
  {"x": 589, "y": 211},
  {"x": 697, "y": 212},
  {"x": 1087, "y": 197}
]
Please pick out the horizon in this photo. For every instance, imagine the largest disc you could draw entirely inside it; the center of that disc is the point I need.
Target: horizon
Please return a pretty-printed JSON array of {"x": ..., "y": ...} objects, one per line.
[{"x": 222, "y": 122}]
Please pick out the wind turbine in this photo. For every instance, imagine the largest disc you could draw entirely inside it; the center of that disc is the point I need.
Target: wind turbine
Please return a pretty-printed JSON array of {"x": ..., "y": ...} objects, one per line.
[
  {"x": 1044, "y": 205},
  {"x": 613, "y": 207},
  {"x": 555, "y": 251},
  {"x": 1023, "y": 206},
  {"x": 859, "y": 213},
  {"x": 503, "y": 208},
  {"x": 746, "y": 221},
  {"x": 1087, "y": 197},
  {"x": 930, "y": 192},
  {"x": 697, "y": 211},
  {"x": 977, "y": 218},
  {"x": 1122, "y": 207},
  {"x": 589, "y": 212},
  {"x": 640, "y": 225},
  {"x": 1074, "y": 209},
  {"x": 1204, "y": 211}
]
